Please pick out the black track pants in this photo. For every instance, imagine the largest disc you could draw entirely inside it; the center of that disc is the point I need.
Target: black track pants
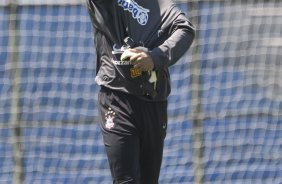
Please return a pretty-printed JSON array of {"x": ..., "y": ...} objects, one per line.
[{"x": 133, "y": 132}]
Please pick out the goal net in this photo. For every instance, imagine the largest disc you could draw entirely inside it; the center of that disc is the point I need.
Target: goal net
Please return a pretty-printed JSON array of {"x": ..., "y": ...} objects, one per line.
[{"x": 225, "y": 109}]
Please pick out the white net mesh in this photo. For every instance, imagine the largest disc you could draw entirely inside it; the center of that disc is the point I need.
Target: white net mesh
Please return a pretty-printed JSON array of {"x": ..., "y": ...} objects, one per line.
[{"x": 239, "y": 46}]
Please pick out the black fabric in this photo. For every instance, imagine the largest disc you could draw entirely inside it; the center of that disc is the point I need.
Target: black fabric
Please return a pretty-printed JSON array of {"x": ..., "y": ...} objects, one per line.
[
  {"x": 133, "y": 132},
  {"x": 158, "y": 24},
  {"x": 134, "y": 117}
]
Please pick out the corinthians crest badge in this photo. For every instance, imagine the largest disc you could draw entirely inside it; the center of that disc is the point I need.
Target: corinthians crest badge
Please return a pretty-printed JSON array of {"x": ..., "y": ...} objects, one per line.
[{"x": 109, "y": 116}]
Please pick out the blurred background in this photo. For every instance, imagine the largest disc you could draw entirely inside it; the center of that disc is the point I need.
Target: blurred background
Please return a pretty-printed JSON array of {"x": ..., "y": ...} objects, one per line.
[{"x": 225, "y": 109}]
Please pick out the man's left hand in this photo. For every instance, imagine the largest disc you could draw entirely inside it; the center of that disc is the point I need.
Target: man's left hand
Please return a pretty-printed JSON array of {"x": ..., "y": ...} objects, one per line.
[{"x": 141, "y": 60}]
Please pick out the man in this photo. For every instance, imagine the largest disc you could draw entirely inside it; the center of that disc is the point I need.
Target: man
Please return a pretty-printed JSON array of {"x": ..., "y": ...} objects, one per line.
[{"x": 136, "y": 41}]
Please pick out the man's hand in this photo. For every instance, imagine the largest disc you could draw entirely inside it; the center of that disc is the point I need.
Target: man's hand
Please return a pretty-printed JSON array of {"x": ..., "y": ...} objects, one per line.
[{"x": 140, "y": 60}]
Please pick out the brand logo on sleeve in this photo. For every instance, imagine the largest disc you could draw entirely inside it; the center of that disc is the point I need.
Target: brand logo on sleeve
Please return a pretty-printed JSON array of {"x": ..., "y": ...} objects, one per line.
[{"x": 138, "y": 12}]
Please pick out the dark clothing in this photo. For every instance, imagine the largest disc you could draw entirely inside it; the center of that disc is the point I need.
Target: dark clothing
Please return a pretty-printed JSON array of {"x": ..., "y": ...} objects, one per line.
[
  {"x": 158, "y": 24},
  {"x": 134, "y": 107},
  {"x": 133, "y": 132}
]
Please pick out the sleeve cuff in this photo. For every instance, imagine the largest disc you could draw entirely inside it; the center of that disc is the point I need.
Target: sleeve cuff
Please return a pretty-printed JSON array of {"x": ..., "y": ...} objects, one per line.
[{"x": 159, "y": 59}]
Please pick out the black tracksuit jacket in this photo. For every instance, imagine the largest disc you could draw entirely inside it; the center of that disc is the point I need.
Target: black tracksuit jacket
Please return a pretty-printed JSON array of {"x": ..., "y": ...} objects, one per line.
[{"x": 158, "y": 24}]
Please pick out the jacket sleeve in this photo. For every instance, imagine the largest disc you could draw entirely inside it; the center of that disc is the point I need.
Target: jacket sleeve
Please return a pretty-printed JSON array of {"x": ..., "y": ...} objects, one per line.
[{"x": 180, "y": 38}]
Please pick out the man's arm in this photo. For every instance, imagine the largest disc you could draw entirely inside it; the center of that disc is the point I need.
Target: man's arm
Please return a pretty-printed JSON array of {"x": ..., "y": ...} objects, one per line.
[{"x": 181, "y": 37}]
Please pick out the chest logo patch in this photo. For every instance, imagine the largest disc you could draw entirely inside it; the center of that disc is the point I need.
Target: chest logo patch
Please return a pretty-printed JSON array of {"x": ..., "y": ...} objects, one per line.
[{"x": 138, "y": 12}]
